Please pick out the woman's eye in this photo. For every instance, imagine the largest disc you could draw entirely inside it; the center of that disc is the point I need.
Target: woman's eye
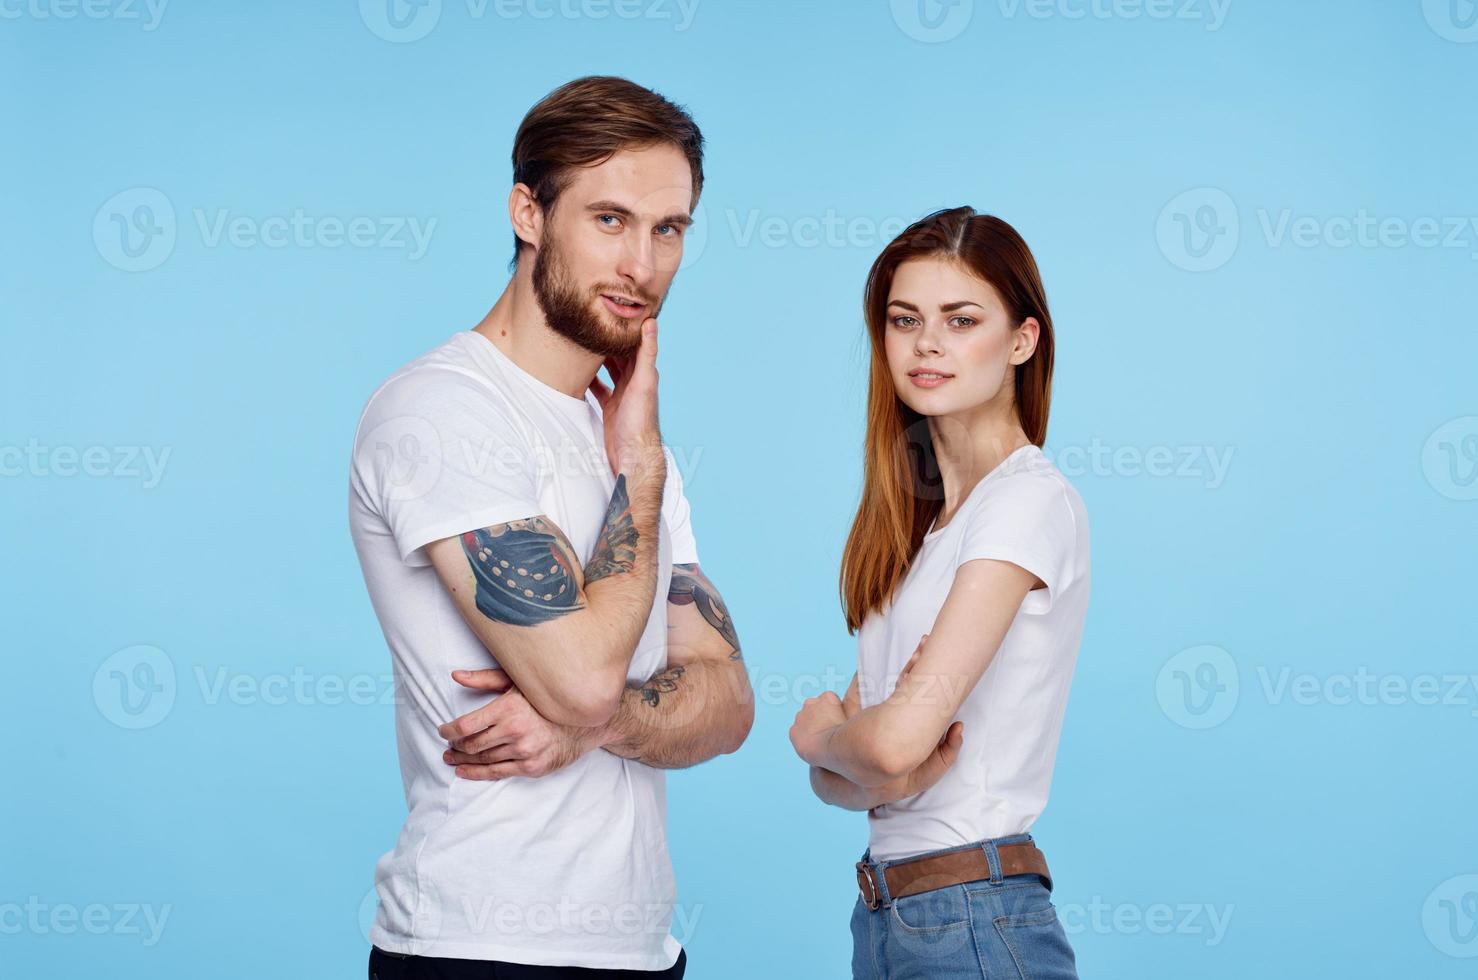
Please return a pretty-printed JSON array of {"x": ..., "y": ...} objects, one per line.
[
  {"x": 962, "y": 321},
  {"x": 898, "y": 321}
]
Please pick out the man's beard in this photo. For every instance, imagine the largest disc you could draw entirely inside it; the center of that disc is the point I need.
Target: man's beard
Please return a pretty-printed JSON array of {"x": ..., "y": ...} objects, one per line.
[{"x": 572, "y": 315}]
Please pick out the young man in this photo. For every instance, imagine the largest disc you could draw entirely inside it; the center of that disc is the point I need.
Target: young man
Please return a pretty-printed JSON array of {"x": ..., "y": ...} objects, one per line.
[{"x": 523, "y": 534}]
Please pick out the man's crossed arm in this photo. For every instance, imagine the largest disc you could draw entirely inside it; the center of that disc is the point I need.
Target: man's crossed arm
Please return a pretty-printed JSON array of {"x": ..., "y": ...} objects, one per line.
[{"x": 699, "y": 706}]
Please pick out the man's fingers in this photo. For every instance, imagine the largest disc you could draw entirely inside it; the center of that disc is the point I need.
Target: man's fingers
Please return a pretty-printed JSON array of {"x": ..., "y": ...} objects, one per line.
[
  {"x": 487, "y": 757},
  {"x": 616, "y": 368},
  {"x": 488, "y": 738},
  {"x": 599, "y": 389},
  {"x": 500, "y": 771},
  {"x": 646, "y": 355},
  {"x": 488, "y": 679},
  {"x": 471, "y": 723}
]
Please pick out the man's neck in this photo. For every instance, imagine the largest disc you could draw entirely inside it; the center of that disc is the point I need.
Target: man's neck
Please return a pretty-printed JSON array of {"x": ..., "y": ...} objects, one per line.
[{"x": 516, "y": 325}]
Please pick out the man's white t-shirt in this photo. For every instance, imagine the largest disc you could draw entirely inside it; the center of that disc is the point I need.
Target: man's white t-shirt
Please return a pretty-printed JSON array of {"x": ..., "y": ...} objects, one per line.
[
  {"x": 1025, "y": 512},
  {"x": 567, "y": 869}
]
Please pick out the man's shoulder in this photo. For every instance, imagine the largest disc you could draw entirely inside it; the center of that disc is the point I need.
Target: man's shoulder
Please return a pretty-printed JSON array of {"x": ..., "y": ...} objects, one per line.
[
  {"x": 445, "y": 379},
  {"x": 440, "y": 397}
]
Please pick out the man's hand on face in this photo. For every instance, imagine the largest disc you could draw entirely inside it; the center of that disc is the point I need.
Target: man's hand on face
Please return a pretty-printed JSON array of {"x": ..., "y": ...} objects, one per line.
[{"x": 507, "y": 737}]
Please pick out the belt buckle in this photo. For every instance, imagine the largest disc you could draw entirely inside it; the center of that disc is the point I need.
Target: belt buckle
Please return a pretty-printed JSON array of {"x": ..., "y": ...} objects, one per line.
[{"x": 868, "y": 887}]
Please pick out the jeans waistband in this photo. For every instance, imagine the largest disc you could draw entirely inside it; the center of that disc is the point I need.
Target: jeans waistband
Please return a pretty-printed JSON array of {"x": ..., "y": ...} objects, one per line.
[{"x": 989, "y": 846}]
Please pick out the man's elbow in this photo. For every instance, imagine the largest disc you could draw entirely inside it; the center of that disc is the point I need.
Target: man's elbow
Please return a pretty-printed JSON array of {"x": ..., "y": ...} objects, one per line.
[
  {"x": 590, "y": 702},
  {"x": 743, "y": 721}
]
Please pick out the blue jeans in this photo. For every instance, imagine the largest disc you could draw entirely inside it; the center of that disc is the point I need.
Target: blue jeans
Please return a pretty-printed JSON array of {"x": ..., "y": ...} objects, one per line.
[{"x": 999, "y": 927}]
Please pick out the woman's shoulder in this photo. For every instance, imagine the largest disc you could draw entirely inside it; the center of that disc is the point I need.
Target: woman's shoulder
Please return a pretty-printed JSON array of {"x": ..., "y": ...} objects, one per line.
[{"x": 1028, "y": 478}]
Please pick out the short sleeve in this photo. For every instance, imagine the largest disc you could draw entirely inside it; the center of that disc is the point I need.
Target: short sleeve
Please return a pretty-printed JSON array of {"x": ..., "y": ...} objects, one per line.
[
  {"x": 678, "y": 515},
  {"x": 1025, "y": 519},
  {"x": 438, "y": 455}
]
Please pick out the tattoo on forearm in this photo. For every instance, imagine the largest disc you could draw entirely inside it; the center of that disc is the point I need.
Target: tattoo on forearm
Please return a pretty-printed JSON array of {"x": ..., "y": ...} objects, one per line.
[
  {"x": 615, "y": 549},
  {"x": 525, "y": 571},
  {"x": 691, "y": 587},
  {"x": 664, "y": 682}
]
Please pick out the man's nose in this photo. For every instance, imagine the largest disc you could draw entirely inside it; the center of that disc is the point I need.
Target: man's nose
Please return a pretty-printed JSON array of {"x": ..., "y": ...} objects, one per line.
[{"x": 638, "y": 261}]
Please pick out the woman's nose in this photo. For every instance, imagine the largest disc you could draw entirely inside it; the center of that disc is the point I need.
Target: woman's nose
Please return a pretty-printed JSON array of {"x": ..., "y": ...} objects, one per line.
[{"x": 926, "y": 343}]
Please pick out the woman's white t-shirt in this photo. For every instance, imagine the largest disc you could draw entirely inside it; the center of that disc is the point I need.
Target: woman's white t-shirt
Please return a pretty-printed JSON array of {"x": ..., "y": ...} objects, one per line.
[{"x": 1024, "y": 512}]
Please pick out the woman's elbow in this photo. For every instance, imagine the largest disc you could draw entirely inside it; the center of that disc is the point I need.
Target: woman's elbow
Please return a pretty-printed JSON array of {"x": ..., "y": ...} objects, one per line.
[{"x": 886, "y": 760}]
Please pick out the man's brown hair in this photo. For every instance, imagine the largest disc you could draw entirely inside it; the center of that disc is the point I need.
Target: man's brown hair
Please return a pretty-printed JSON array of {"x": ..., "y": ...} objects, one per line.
[{"x": 585, "y": 122}]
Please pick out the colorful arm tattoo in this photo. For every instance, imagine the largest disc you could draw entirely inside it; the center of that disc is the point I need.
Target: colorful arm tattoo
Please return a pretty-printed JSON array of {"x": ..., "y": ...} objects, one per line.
[
  {"x": 526, "y": 572},
  {"x": 615, "y": 549},
  {"x": 691, "y": 587}
]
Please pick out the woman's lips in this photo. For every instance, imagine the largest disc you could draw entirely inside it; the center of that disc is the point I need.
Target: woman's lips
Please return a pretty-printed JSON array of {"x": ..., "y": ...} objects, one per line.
[{"x": 929, "y": 380}]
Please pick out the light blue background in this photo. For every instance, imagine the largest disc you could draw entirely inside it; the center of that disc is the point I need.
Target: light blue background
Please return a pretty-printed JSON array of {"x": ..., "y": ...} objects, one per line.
[{"x": 1335, "y": 836}]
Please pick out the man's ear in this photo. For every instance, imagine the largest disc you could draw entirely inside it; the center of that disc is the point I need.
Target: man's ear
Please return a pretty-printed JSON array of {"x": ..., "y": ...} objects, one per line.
[{"x": 525, "y": 215}]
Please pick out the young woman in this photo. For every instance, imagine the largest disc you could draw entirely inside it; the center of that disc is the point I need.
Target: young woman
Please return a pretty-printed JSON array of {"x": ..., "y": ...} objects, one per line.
[{"x": 966, "y": 533}]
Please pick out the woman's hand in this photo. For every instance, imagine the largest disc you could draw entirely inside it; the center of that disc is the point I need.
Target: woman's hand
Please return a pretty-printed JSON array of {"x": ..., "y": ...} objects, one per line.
[
  {"x": 926, "y": 773},
  {"x": 840, "y": 791},
  {"x": 814, "y": 724}
]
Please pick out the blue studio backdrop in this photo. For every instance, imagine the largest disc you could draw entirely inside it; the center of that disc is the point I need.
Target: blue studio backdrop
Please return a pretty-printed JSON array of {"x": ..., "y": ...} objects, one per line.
[{"x": 1258, "y": 225}]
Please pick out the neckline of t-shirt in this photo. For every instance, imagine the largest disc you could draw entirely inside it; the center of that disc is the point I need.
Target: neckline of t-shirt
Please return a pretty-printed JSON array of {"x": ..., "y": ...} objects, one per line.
[
  {"x": 579, "y": 407},
  {"x": 1000, "y": 467}
]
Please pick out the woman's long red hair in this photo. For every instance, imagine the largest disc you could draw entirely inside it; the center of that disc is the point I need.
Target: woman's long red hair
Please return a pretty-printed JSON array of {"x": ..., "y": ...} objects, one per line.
[{"x": 900, "y": 487}]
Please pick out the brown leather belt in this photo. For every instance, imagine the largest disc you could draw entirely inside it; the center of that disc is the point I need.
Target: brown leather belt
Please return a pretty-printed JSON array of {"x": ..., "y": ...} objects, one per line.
[{"x": 942, "y": 870}]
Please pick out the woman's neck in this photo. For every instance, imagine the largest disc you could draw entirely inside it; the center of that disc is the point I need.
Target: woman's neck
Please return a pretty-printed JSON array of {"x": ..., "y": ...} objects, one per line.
[{"x": 969, "y": 446}]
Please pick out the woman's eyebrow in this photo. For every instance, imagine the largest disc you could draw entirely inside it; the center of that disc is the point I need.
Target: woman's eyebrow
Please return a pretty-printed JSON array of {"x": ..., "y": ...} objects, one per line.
[{"x": 943, "y": 307}]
